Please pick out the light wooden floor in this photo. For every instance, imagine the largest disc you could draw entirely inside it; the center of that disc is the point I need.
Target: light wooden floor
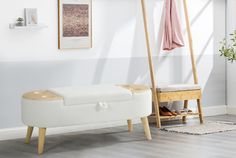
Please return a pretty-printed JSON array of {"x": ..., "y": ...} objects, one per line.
[{"x": 118, "y": 143}]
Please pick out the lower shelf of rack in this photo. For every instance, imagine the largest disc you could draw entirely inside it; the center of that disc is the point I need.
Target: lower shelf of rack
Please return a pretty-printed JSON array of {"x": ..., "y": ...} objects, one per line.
[{"x": 153, "y": 116}]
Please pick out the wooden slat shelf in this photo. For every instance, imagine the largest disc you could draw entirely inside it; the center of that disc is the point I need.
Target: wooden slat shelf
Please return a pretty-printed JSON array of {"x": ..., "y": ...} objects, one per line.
[
  {"x": 179, "y": 95},
  {"x": 174, "y": 117}
]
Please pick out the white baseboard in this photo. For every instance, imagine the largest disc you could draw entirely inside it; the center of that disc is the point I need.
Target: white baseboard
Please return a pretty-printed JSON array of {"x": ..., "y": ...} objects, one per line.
[
  {"x": 20, "y": 132},
  {"x": 215, "y": 110},
  {"x": 231, "y": 110}
]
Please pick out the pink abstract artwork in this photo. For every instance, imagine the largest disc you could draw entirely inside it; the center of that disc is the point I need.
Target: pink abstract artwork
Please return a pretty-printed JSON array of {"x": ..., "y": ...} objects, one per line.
[{"x": 75, "y": 20}]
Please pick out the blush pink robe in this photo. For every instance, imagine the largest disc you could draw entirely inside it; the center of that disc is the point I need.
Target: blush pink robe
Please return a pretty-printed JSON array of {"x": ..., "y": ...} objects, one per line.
[{"x": 173, "y": 37}]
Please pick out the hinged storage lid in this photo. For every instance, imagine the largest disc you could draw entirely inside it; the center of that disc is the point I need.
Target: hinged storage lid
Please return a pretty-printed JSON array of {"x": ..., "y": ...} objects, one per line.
[{"x": 92, "y": 94}]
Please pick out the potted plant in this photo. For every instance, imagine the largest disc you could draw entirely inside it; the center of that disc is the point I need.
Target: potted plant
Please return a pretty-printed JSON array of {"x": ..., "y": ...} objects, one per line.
[
  {"x": 19, "y": 21},
  {"x": 228, "y": 48}
]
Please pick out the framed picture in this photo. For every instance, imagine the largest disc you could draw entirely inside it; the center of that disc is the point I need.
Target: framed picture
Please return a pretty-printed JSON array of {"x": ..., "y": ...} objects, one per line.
[
  {"x": 31, "y": 16},
  {"x": 74, "y": 24}
]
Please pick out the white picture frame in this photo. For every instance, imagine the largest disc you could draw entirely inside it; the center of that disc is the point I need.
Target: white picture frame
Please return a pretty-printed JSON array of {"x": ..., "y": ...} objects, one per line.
[
  {"x": 31, "y": 17},
  {"x": 74, "y": 24}
]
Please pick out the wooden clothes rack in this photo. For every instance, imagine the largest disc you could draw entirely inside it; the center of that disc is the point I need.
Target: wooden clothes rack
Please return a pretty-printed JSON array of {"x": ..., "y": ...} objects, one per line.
[{"x": 178, "y": 95}]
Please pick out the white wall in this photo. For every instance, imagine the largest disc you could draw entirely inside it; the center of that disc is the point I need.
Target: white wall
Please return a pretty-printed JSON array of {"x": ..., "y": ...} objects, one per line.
[
  {"x": 231, "y": 67},
  {"x": 116, "y": 28},
  {"x": 30, "y": 59}
]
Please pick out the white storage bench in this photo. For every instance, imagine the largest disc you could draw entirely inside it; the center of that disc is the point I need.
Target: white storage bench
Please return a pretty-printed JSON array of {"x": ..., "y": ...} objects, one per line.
[{"x": 59, "y": 107}]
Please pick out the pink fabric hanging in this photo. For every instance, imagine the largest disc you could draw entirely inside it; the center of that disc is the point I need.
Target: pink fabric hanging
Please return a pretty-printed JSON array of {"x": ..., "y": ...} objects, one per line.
[{"x": 173, "y": 37}]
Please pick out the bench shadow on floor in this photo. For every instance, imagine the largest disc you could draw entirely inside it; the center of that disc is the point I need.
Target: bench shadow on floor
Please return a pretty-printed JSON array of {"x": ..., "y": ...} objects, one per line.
[{"x": 118, "y": 142}]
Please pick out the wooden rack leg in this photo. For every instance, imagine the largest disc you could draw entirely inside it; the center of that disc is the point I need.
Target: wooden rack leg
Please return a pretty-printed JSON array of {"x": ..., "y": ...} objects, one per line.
[
  {"x": 130, "y": 125},
  {"x": 146, "y": 128},
  {"x": 150, "y": 62},
  {"x": 29, "y": 134},
  {"x": 41, "y": 140},
  {"x": 199, "y": 104},
  {"x": 185, "y": 106},
  {"x": 158, "y": 118}
]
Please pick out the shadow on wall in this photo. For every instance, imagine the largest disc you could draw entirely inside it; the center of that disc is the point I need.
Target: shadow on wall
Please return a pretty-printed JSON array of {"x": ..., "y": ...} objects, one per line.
[
  {"x": 202, "y": 52},
  {"x": 138, "y": 45},
  {"x": 199, "y": 14},
  {"x": 198, "y": 59},
  {"x": 215, "y": 87},
  {"x": 113, "y": 24},
  {"x": 214, "y": 81},
  {"x": 134, "y": 73}
]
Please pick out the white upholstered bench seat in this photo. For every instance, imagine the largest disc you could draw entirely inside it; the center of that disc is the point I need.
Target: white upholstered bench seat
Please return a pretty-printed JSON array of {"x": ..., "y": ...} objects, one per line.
[{"x": 67, "y": 106}]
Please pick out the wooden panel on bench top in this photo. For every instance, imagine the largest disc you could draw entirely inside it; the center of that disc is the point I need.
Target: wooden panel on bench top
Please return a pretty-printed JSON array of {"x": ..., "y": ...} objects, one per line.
[
  {"x": 47, "y": 95},
  {"x": 179, "y": 95},
  {"x": 42, "y": 95},
  {"x": 135, "y": 88}
]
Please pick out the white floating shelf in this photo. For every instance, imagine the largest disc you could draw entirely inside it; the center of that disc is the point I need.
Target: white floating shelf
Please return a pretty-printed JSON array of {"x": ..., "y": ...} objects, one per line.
[{"x": 39, "y": 26}]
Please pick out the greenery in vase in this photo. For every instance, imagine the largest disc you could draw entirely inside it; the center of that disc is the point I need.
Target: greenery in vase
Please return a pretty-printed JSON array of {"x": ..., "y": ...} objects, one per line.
[
  {"x": 19, "y": 21},
  {"x": 228, "y": 48}
]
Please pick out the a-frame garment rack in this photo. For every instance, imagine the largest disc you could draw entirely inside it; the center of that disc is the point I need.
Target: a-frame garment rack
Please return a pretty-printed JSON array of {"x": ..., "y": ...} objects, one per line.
[{"x": 180, "y": 95}]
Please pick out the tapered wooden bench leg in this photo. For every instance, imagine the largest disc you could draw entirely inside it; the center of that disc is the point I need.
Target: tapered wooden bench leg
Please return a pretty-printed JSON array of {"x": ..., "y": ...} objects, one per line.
[
  {"x": 41, "y": 140},
  {"x": 146, "y": 128},
  {"x": 130, "y": 125},
  {"x": 185, "y": 106},
  {"x": 29, "y": 134},
  {"x": 199, "y": 104}
]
